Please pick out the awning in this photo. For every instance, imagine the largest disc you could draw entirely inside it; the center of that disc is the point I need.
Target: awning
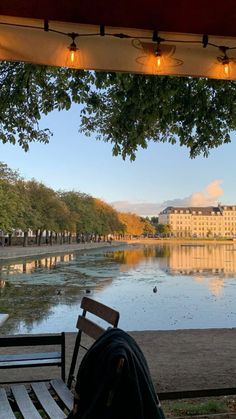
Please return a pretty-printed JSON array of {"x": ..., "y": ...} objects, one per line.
[{"x": 172, "y": 37}]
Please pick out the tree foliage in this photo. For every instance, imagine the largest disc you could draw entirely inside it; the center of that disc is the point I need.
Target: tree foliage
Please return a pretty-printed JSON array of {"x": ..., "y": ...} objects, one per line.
[
  {"x": 30, "y": 205},
  {"x": 127, "y": 110},
  {"x": 148, "y": 227},
  {"x": 133, "y": 224},
  {"x": 130, "y": 110},
  {"x": 28, "y": 91},
  {"x": 164, "y": 229}
]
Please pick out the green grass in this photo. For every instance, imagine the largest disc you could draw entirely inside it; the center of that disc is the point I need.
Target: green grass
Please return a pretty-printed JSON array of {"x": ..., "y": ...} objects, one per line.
[{"x": 185, "y": 408}]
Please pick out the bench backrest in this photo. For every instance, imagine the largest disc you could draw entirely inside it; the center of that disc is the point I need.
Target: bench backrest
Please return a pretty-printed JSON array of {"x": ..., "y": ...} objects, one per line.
[
  {"x": 90, "y": 327},
  {"x": 36, "y": 351}
]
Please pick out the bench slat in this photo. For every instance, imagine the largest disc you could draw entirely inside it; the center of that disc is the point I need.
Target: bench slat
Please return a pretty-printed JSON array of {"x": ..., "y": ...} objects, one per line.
[
  {"x": 32, "y": 359},
  {"x": 47, "y": 402},
  {"x": 31, "y": 340},
  {"x": 30, "y": 356},
  {"x": 101, "y": 310},
  {"x": 36, "y": 363},
  {"x": 63, "y": 393},
  {"x": 24, "y": 402},
  {"x": 5, "y": 408},
  {"x": 89, "y": 327}
]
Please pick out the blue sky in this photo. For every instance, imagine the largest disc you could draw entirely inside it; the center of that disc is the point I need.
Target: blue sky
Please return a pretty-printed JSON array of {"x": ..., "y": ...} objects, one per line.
[{"x": 160, "y": 174}]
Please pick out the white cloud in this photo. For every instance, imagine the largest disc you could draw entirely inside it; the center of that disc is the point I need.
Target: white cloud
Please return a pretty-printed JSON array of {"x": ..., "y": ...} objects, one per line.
[{"x": 208, "y": 197}]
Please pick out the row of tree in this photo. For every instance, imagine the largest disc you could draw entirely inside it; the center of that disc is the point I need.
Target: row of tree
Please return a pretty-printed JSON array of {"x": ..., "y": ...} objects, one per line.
[{"x": 59, "y": 215}]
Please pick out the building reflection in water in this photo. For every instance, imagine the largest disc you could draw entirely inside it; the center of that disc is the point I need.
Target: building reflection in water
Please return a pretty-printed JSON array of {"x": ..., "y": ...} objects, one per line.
[
  {"x": 184, "y": 259},
  {"x": 30, "y": 266},
  {"x": 204, "y": 263},
  {"x": 191, "y": 259}
]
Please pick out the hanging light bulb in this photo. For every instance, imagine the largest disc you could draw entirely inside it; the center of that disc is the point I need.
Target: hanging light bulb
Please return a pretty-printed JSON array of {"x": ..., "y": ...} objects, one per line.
[
  {"x": 157, "y": 52},
  {"x": 225, "y": 63},
  {"x": 158, "y": 55},
  {"x": 72, "y": 48},
  {"x": 73, "y": 52}
]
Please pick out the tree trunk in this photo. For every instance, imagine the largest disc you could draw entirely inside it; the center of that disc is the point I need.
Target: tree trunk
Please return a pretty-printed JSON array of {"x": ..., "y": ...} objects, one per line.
[
  {"x": 40, "y": 237},
  {"x": 36, "y": 236},
  {"x": 25, "y": 242},
  {"x": 9, "y": 239},
  {"x": 50, "y": 239}
]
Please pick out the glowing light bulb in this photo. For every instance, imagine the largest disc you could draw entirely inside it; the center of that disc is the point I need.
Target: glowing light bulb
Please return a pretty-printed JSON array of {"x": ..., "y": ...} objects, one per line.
[
  {"x": 73, "y": 52},
  {"x": 158, "y": 61},
  {"x": 225, "y": 61},
  {"x": 72, "y": 56},
  {"x": 226, "y": 68},
  {"x": 159, "y": 57}
]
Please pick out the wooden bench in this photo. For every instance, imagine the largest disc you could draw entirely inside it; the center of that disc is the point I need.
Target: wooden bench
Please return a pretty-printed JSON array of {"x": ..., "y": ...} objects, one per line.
[{"x": 52, "y": 397}]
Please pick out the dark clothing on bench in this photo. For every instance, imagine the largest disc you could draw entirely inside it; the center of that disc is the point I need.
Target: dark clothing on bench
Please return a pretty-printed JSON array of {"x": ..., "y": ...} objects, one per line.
[{"x": 106, "y": 393}]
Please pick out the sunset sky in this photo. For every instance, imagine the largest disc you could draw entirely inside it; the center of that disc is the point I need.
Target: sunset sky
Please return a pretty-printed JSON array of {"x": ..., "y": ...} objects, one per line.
[{"x": 162, "y": 175}]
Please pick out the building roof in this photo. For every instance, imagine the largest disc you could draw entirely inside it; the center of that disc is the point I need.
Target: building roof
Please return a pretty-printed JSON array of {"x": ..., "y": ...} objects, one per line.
[{"x": 191, "y": 210}]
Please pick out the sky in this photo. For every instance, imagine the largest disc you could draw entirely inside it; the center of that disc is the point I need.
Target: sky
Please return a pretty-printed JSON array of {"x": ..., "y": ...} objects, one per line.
[{"x": 161, "y": 175}]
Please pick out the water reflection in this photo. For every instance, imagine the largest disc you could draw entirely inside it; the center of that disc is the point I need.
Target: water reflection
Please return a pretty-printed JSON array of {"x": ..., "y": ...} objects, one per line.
[
  {"x": 195, "y": 286},
  {"x": 183, "y": 259},
  {"x": 31, "y": 266},
  {"x": 194, "y": 259},
  {"x": 208, "y": 264}
]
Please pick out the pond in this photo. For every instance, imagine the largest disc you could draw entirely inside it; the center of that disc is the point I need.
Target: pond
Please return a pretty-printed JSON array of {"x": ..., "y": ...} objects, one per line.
[{"x": 195, "y": 287}]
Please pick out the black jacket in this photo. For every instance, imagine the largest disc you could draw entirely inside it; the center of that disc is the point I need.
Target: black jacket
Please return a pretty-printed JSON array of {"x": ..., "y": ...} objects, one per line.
[{"x": 104, "y": 393}]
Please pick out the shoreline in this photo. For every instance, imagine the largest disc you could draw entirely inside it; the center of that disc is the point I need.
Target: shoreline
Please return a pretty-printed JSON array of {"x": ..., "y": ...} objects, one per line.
[{"x": 16, "y": 252}]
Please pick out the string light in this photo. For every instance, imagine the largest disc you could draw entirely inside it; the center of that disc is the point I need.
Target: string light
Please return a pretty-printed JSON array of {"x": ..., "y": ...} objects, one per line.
[{"x": 73, "y": 51}]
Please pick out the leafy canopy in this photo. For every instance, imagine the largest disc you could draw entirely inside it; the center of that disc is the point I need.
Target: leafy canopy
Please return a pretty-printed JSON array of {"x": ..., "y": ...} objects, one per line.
[{"x": 127, "y": 110}]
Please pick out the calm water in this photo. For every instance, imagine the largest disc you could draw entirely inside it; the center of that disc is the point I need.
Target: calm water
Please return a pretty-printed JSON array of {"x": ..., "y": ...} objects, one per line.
[{"x": 196, "y": 288}]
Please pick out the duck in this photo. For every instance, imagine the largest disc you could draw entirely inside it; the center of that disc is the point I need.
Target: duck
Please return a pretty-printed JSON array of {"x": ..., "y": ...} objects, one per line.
[{"x": 155, "y": 289}]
